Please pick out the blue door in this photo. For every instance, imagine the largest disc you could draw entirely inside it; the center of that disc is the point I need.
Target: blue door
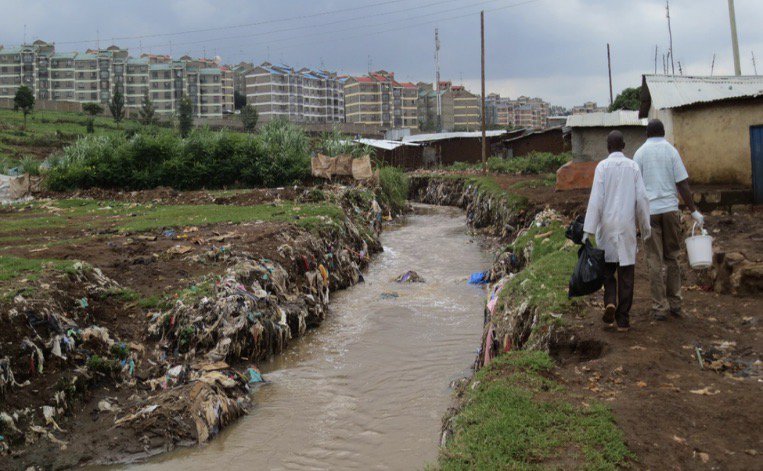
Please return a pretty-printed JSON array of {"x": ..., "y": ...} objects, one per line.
[{"x": 756, "y": 147}]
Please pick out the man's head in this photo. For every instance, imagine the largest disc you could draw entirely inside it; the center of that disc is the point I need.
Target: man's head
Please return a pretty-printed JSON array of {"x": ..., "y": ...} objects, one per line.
[
  {"x": 655, "y": 128},
  {"x": 615, "y": 142}
]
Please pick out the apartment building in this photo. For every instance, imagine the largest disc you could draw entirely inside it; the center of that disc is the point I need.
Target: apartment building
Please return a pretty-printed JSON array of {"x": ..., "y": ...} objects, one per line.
[
  {"x": 589, "y": 107},
  {"x": 240, "y": 71},
  {"x": 460, "y": 109},
  {"x": 299, "y": 96},
  {"x": 379, "y": 99},
  {"x": 93, "y": 75},
  {"x": 227, "y": 78},
  {"x": 524, "y": 112}
]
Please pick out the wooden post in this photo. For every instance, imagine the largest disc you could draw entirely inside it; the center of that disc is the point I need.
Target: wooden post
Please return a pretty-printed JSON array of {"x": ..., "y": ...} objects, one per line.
[{"x": 484, "y": 137}]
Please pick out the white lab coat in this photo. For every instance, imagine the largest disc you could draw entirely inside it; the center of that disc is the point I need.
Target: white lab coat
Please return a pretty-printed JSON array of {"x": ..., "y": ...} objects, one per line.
[{"x": 618, "y": 202}]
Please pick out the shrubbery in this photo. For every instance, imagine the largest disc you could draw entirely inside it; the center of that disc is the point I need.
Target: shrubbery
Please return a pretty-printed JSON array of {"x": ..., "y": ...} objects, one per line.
[
  {"x": 279, "y": 155},
  {"x": 531, "y": 164},
  {"x": 393, "y": 188}
]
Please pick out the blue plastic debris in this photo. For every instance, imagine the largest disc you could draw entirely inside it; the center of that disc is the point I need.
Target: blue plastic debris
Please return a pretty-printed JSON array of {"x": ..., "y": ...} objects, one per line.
[
  {"x": 254, "y": 376},
  {"x": 478, "y": 278}
]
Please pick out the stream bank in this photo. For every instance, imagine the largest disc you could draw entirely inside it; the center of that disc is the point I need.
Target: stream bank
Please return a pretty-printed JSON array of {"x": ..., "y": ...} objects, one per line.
[{"x": 556, "y": 388}]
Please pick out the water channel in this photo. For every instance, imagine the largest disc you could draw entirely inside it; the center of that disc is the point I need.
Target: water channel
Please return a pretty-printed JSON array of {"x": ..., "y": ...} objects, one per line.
[{"x": 368, "y": 388}]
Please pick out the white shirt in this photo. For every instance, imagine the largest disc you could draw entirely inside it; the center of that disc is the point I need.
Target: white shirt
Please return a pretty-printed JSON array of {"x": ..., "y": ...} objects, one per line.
[
  {"x": 661, "y": 167},
  {"x": 618, "y": 201}
]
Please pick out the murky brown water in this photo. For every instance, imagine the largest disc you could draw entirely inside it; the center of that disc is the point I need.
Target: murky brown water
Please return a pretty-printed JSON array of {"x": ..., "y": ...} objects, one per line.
[{"x": 367, "y": 389}]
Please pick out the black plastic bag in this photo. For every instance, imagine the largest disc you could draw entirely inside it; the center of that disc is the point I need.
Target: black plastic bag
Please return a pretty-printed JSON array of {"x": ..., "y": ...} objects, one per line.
[
  {"x": 574, "y": 231},
  {"x": 588, "y": 275}
]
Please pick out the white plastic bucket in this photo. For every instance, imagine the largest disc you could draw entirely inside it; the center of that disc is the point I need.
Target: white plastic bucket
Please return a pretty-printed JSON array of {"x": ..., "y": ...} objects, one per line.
[{"x": 700, "y": 249}]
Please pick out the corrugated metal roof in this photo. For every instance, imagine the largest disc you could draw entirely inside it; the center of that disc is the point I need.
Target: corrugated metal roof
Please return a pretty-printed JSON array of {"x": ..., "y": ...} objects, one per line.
[
  {"x": 384, "y": 143},
  {"x": 452, "y": 135},
  {"x": 605, "y": 120},
  {"x": 668, "y": 91}
]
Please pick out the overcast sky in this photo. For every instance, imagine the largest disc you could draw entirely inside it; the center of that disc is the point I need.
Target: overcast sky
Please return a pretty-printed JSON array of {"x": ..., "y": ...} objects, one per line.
[{"x": 555, "y": 49}]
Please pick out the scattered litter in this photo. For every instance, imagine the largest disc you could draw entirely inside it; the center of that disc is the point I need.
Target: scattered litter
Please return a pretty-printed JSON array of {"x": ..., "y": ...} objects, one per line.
[
  {"x": 106, "y": 406},
  {"x": 478, "y": 278},
  {"x": 706, "y": 391},
  {"x": 409, "y": 277},
  {"x": 254, "y": 375},
  {"x": 179, "y": 249},
  {"x": 389, "y": 295}
]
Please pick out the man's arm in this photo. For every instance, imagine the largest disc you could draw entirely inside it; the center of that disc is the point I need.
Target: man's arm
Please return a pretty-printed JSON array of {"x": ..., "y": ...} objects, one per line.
[{"x": 685, "y": 192}]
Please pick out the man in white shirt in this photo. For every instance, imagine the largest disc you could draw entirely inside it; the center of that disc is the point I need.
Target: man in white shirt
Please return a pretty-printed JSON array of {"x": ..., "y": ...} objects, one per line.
[
  {"x": 664, "y": 177},
  {"x": 617, "y": 203}
]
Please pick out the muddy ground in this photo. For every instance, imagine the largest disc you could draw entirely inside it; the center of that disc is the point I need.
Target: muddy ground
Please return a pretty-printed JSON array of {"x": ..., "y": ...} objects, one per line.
[
  {"x": 152, "y": 267},
  {"x": 675, "y": 413}
]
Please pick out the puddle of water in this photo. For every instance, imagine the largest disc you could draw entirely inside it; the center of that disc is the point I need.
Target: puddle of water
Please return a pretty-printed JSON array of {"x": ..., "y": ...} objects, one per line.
[{"x": 367, "y": 389}]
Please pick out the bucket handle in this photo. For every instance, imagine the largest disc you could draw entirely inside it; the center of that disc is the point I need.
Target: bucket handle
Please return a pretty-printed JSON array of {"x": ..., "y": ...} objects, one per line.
[{"x": 702, "y": 230}]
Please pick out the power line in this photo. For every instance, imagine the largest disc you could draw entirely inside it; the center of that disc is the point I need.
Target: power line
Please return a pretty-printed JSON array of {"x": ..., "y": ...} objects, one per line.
[
  {"x": 244, "y": 25},
  {"x": 294, "y": 28},
  {"x": 417, "y": 24}
]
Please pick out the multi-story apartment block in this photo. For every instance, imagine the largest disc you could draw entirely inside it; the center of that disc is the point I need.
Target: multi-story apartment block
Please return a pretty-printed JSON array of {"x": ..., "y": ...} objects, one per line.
[
  {"x": 378, "y": 99},
  {"x": 227, "y": 89},
  {"x": 299, "y": 96},
  {"x": 93, "y": 75},
  {"x": 459, "y": 109},
  {"x": 426, "y": 107},
  {"x": 524, "y": 112},
  {"x": 240, "y": 71},
  {"x": 588, "y": 107}
]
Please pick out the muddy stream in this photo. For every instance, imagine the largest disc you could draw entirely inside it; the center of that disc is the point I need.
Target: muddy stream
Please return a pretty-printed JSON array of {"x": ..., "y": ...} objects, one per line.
[{"x": 368, "y": 388}]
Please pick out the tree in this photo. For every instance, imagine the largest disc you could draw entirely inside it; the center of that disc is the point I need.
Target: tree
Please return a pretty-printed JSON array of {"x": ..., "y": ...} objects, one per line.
[
  {"x": 249, "y": 117},
  {"x": 117, "y": 105},
  {"x": 93, "y": 109},
  {"x": 24, "y": 101},
  {"x": 628, "y": 99},
  {"x": 239, "y": 100},
  {"x": 185, "y": 116},
  {"x": 147, "y": 111}
]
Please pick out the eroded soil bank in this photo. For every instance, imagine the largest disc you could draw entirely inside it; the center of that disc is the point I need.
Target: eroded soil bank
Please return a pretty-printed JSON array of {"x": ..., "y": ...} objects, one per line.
[{"x": 366, "y": 390}]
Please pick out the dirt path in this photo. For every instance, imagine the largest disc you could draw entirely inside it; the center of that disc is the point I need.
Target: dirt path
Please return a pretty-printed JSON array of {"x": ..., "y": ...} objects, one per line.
[{"x": 676, "y": 414}]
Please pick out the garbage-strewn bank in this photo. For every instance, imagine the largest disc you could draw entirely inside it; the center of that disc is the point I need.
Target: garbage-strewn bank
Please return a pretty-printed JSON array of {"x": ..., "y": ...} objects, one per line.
[
  {"x": 513, "y": 412},
  {"x": 93, "y": 371},
  {"x": 556, "y": 389}
]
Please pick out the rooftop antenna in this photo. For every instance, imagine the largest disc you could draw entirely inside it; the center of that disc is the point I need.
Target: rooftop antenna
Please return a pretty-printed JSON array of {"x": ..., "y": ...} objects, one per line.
[
  {"x": 97, "y": 39},
  {"x": 670, "y": 35},
  {"x": 24, "y": 34},
  {"x": 754, "y": 66},
  {"x": 437, "y": 77},
  {"x": 170, "y": 49},
  {"x": 370, "y": 63},
  {"x": 680, "y": 70},
  {"x": 712, "y": 66}
]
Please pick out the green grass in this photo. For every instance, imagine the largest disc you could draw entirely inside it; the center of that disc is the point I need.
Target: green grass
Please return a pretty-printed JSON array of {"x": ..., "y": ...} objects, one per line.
[
  {"x": 515, "y": 419},
  {"x": 487, "y": 184},
  {"x": 131, "y": 217},
  {"x": 14, "y": 267},
  {"x": 544, "y": 280},
  {"x": 45, "y": 131}
]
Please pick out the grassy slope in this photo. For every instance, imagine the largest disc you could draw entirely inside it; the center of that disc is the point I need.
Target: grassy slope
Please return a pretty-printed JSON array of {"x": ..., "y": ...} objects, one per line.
[
  {"x": 516, "y": 417},
  {"x": 46, "y": 131},
  {"x": 513, "y": 415}
]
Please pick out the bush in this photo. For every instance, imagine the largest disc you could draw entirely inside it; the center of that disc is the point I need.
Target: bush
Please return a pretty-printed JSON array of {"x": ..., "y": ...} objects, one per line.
[
  {"x": 279, "y": 155},
  {"x": 335, "y": 143},
  {"x": 533, "y": 163},
  {"x": 393, "y": 188}
]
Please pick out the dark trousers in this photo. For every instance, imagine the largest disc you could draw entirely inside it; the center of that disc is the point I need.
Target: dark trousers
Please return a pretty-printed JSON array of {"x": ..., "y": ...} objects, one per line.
[{"x": 618, "y": 290}]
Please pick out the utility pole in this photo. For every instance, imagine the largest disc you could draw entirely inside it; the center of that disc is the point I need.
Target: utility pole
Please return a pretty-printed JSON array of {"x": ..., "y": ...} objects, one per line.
[
  {"x": 437, "y": 78},
  {"x": 484, "y": 136},
  {"x": 609, "y": 66},
  {"x": 754, "y": 66},
  {"x": 655, "y": 60},
  {"x": 670, "y": 36},
  {"x": 734, "y": 39},
  {"x": 680, "y": 70}
]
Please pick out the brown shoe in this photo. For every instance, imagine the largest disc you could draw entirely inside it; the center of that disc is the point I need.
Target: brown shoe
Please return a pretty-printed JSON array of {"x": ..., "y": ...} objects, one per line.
[{"x": 609, "y": 314}]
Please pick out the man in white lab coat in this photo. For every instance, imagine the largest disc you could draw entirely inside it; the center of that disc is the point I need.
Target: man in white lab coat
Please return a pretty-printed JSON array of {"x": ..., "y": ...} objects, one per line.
[{"x": 618, "y": 202}]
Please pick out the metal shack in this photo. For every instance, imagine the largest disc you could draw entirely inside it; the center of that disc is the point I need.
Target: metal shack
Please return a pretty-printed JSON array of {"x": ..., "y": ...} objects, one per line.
[
  {"x": 446, "y": 148},
  {"x": 405, "y": 155},
  {"x": 546, "y": 140},
  {"x": 716, "y": 123},
  {"x": 589, "y": 133}
]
